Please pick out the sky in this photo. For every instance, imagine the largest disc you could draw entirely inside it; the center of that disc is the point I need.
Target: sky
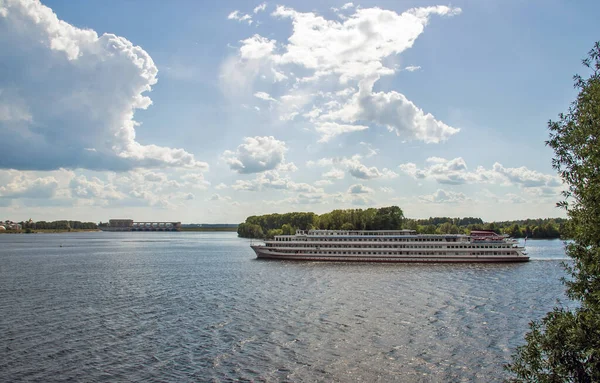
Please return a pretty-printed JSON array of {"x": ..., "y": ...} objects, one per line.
[{"x": 208, "y": 112}]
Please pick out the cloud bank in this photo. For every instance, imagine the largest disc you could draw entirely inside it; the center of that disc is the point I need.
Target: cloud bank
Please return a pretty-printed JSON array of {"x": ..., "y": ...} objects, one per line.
[{"x": 68, "y": 96}]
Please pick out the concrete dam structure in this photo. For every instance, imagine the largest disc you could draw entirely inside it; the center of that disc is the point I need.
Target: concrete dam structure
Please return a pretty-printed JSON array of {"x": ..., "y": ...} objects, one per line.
[{"x": 130, "y": 225}]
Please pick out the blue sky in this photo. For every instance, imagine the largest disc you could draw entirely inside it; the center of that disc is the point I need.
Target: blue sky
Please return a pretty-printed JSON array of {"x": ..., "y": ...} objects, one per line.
[{"x": 213, "y": 111}]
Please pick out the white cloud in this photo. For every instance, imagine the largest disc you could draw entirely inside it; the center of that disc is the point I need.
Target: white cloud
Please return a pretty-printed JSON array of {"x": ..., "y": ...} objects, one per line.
[
  {"x": 412, "y": 68},
  {"x": 77, "y": 111},
  {"x": 260, "y": 8},
  {"x": 359, "y": 189},
  {"x": 24, "y": 185},
  {"x": 334, "y": 173},
  {"x": 258, "y": 154},
  {"x": 237, "y": 15},
  {"x": 94, "y": 188},
  {"x": 526, "y": 177},
  {"x": 363, "y": 40},
  {"x": 221, "y": 186},
  {"x": 341, "y": 56},
  {"x": 354, "y": 167},
  {"x": 264, "y": 96},
  {"x": 194, "y": 180},
  {"x": 455, "y": 172},
  {"x": 287, "y": 167},
  {"x": 393, "y": 111},
  {"x": 256, "y": 47},
  {"x": 443, "y": 196},
  {"x": 328, "y": 130},
  {"x": 155, "y": 177},
  {"x": 273, "y": 180}
]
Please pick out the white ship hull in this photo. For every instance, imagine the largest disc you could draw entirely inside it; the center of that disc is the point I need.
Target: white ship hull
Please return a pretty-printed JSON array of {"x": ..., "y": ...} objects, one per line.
[{"x": 263, "y": 252}]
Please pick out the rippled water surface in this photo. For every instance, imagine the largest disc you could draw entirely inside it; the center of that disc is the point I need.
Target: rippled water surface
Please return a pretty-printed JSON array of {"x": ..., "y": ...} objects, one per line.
[{"x": 185, "y": 307}]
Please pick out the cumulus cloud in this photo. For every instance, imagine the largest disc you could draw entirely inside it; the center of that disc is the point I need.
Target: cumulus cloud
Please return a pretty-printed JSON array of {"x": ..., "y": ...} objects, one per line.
[
  {"x": 354, "y": 167},
  {"x": 94, "y": 188},
  {"x": 22, "y": 185},
  {"x": 62, "y": 187},
  {"x": 393, "y": 111},
  {"x": 71, "y": 96},
  {"x": 342, "y": 56},
  {"x": 359, "y": 189},
  {"x": 273, "y": 180},
  {"x": 443, "y": 196},
  {"x": 526, "y": 177},
  {"x": 193, "y": 180},
  {"x": 258, "y": 154},
  {"x": 256, "y": 47},
  {"x": 334, "y": 174},
  {"x": 155, "y": 177},
  {"x": 455, "y": 172}
]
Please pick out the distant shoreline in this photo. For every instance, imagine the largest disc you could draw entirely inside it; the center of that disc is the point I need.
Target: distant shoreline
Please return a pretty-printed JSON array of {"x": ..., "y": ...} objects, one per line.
[
  {"x": 48, "y": 231},
  {"x": 61, "y": 231}
]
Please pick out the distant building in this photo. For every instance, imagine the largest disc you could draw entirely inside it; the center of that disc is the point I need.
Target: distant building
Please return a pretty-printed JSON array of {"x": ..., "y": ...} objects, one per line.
[
  {"x": 120, "y": 223},
  {"x": 130, "y": 225},
  {"x": 2, "y": 228},
  {"x": 10, "y": 225}
]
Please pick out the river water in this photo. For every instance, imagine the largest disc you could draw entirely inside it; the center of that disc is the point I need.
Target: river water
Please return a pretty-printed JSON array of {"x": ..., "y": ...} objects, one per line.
[{"x": 188, "y": 307}]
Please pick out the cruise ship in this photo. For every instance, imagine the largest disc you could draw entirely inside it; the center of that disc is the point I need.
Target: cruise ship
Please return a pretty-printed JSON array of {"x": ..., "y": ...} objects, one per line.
[{"x": 391, "y": 246}]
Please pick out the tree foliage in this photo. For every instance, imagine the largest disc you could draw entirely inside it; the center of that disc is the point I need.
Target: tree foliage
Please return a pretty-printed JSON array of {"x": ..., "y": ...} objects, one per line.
[
  {"x": 392, "y": 218},
  {"x": 385, "y": 218},
  {"x": 59, "y": 225},
  {"x": 565, "y": 345}
]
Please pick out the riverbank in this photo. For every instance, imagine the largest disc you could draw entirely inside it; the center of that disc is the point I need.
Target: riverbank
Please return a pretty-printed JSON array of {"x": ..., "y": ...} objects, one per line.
[{"x": 48, "y": 231}]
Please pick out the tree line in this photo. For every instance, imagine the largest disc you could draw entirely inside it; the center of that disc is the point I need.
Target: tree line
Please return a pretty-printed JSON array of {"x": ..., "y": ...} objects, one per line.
[
  {"x": 58, "y": 225},
  {"x": 269, "y": 225},
  {"x": 543, "y": 228},
  {"x": 392, "y": 218}
]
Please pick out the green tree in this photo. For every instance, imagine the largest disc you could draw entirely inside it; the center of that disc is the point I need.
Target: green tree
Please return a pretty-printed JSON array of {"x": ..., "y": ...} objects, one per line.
[
  {"x": 565, "y": 345},
  {"x": 287, "y": 229},
  {"x": 347, "y": 226}
]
